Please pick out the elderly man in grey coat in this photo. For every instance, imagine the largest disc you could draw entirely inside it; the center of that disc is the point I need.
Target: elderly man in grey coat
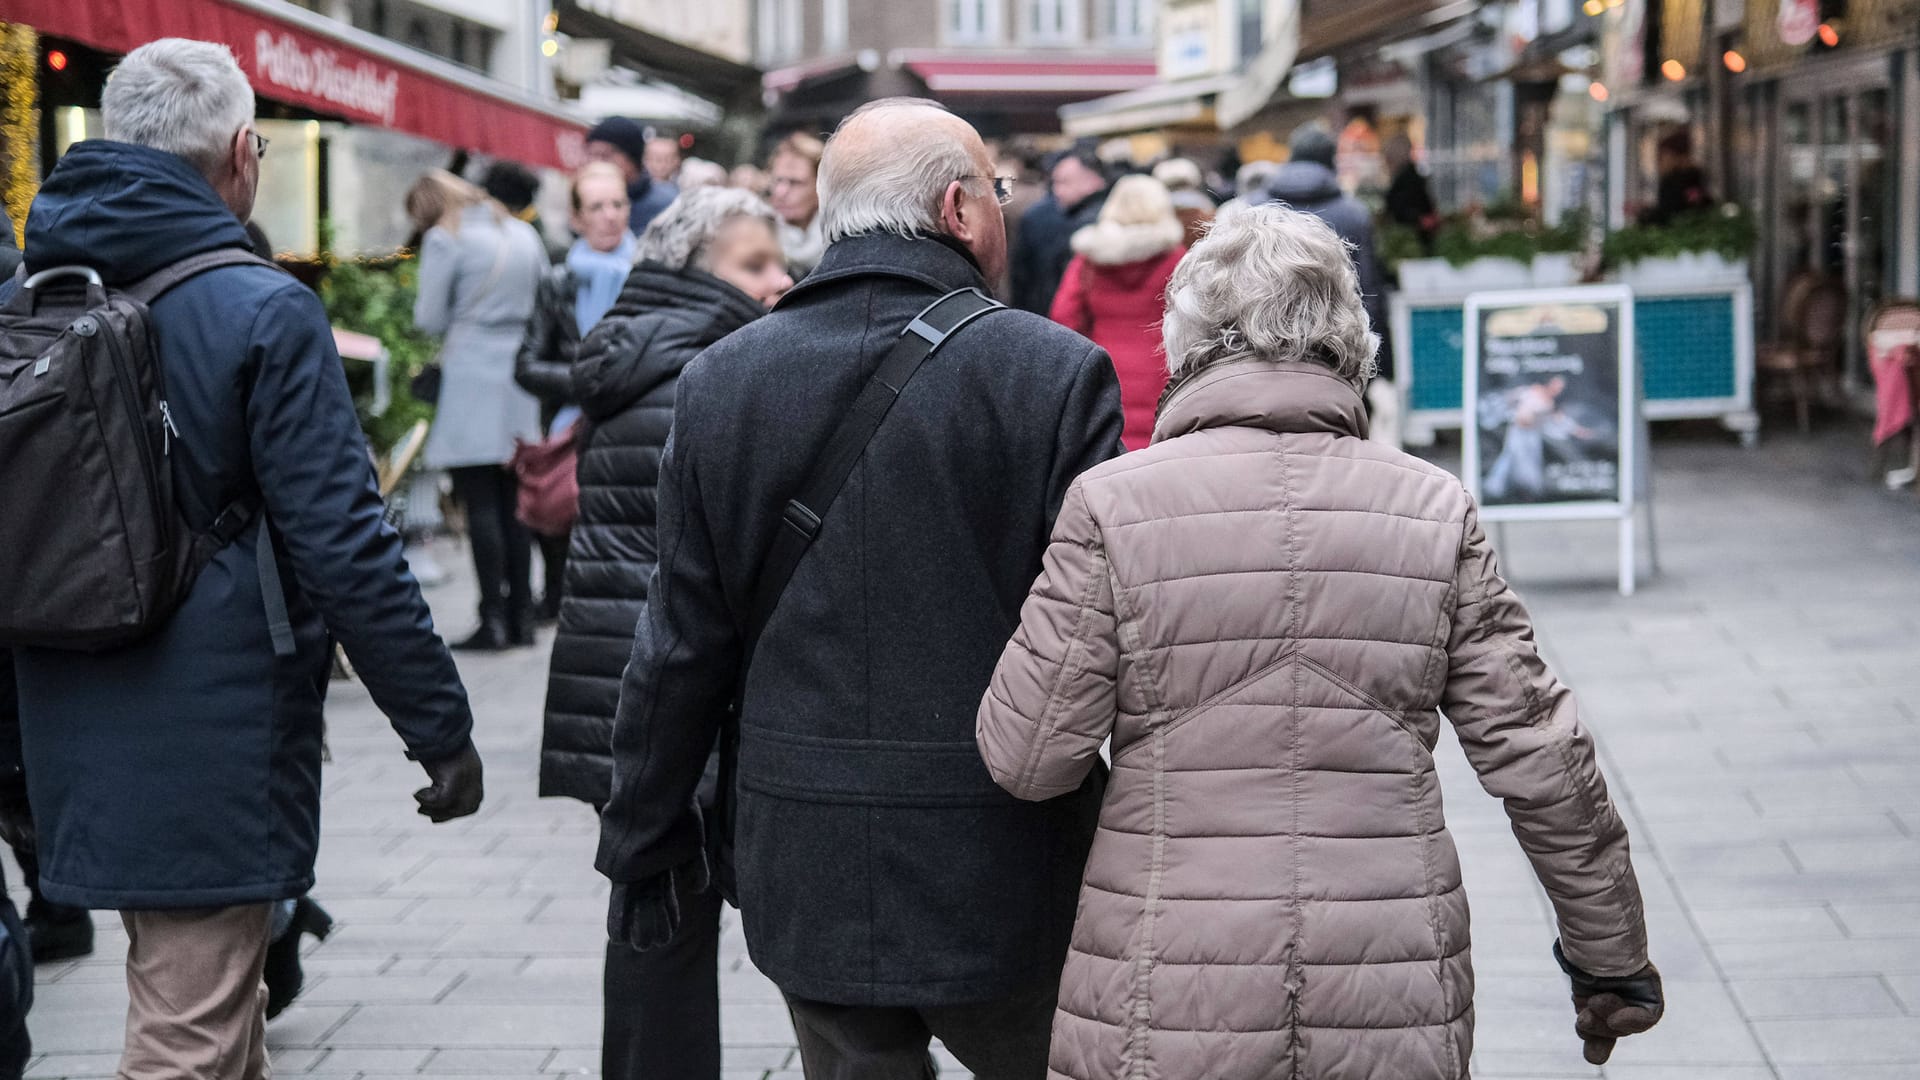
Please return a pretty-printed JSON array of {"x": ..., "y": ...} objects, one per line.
[{"x": 890, "y": 889}]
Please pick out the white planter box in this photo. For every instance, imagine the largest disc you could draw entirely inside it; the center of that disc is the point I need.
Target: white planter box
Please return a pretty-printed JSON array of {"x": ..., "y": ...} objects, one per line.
[
  {"x": 1438, "y": 277},
  {"x": 1691, "y": 270},
  {"x": 1554, "y": 270}
]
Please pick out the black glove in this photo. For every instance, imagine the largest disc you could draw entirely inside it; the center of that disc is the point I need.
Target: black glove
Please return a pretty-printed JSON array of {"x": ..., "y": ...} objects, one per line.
[
  {"x": 645, "y": 914},
  {"x": 457, "y": 785},
  {"x": 1607, "y": 1007}
]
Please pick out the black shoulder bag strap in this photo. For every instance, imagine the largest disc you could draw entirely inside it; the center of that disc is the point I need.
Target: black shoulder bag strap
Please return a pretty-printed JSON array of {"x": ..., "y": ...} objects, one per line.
[
  {"x": 232, "y": 520},
  {"x": 801, "y": 519}
]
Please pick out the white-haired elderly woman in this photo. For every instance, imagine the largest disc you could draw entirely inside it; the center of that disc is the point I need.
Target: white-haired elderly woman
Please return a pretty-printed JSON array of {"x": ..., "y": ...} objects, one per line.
[
  {"x": 708, "y": 265},
  {"x": 1268, "y": 615}
]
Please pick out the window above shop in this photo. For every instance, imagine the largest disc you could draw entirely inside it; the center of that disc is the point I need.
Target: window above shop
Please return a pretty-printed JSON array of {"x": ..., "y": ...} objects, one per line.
[
  {"x": 1126, "y": 23},
  {"x": 970, "y": 22},
  {"x": 418, "y": 26},
  {"x": 1050, "y": 22},
  {"x": 779, "y": 31}
]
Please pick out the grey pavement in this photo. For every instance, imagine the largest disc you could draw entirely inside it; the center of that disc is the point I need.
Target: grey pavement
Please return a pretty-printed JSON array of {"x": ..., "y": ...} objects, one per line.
[{"x": 1757, "y": 707}]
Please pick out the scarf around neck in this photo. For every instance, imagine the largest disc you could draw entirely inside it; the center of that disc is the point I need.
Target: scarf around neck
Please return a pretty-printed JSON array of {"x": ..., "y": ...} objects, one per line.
[{"x": 599, "y": 276}]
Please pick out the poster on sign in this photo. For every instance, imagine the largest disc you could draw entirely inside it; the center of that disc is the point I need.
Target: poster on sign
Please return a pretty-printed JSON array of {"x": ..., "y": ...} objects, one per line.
[{"x": 1554, "y": 429}]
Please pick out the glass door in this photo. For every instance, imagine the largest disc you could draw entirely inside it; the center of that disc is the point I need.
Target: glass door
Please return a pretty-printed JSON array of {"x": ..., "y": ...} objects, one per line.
[{"x": 1833, "y": 209}]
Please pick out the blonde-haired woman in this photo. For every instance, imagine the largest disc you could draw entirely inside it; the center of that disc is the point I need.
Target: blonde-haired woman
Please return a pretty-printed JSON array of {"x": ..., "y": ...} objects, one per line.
[
  {"x": 1269, "y": 616},
  {"x": 795, "y": 194},
  {"x": 1111, "y": 291},
  {"x": 480, "y": 269}
]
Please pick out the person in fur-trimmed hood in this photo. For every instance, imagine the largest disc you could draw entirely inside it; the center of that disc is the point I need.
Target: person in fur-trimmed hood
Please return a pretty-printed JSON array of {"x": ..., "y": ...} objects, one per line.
[{"x": 1112, "y": 291}]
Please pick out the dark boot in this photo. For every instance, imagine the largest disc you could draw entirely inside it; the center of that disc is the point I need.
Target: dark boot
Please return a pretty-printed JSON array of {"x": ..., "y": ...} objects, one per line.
[
  {"x": 283, "y": 974},
  {"x": 492, "y": 636},
  {"x": 58, "y": 933},
  {"x": 520, "y": 627}
]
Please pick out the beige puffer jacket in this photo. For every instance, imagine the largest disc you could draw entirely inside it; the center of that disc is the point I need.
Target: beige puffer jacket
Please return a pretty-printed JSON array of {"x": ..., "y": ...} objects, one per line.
[{"x": 1267, "y": 614}]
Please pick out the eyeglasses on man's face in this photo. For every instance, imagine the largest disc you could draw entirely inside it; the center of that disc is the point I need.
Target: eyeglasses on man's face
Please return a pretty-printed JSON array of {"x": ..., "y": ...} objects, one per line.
[
  {"x": 1002, "y": 187},
  {"x": 259, "y": 144}
]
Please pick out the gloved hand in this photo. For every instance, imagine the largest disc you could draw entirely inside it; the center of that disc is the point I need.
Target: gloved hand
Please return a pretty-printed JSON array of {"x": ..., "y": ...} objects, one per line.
[
  {"x": 645, "y": 914},
  {"x": 1609, "y": 1007},
  {"x": 457, "y": 788}
]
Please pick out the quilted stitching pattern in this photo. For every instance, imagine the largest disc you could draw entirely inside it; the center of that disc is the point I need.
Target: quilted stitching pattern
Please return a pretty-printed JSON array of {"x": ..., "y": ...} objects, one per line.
[{"x": 1268, "y": 620}]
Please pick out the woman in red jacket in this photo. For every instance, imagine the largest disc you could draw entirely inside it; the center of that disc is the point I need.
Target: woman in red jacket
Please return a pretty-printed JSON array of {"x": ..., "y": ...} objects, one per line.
[{"x": 1114, "y": 290}]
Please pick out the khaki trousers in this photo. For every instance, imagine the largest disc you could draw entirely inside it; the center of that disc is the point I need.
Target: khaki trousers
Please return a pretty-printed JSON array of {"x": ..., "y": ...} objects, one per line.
[{"x": 196, "y": 1007}]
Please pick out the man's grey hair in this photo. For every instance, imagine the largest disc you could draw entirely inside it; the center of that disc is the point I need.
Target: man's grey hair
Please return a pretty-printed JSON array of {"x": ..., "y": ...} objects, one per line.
[
  {"x": 680, "y": 236},
  {"x": 1269, "y": 283},
  {"x": 186, "y": 97},
  {"x": 895, "y": 188}
]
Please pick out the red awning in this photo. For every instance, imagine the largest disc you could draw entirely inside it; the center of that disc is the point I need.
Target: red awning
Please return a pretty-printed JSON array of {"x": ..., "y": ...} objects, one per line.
[
  {"x": 961, "y": 73},
  {"x": 313, "y": 62}
]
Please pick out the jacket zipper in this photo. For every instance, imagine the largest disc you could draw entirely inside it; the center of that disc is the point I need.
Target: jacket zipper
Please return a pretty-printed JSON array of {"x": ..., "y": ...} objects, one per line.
[{"x": 131, "y": 394}]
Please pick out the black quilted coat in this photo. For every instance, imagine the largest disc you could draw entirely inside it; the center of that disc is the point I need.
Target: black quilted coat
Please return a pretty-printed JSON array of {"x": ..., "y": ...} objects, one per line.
[{"x": 625, "y": 377}]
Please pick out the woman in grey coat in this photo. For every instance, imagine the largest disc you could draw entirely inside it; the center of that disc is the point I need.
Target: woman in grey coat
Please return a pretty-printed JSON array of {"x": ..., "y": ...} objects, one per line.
[{"x": 480, "y": 269}]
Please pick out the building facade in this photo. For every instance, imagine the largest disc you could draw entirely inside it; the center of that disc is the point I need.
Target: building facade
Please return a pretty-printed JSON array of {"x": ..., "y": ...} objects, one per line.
[{"x": 1006, "y": 65}]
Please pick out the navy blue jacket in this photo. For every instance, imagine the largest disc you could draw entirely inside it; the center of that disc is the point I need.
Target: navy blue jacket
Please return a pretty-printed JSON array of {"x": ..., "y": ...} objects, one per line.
[
  {"x": 876, "y": 860},
  {"x": 646, "y": 197},
  {"x": 184, "y": 771}
]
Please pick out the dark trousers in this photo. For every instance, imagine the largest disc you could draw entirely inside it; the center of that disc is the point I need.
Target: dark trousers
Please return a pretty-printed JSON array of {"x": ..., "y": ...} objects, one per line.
[
  {"x": 502, "y": 547},
  {"x": 663, "y": 1005},
  {"x": 995, "y": 1040},
  {"x": 553, "y": 555}
]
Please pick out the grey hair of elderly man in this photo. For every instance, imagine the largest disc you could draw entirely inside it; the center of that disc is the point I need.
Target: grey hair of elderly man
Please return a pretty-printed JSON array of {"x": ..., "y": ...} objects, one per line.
[
  {"x": 908, "y": 166},
  {"x": 190, "y": 99},
  {"x": 1269, "y": 283}
]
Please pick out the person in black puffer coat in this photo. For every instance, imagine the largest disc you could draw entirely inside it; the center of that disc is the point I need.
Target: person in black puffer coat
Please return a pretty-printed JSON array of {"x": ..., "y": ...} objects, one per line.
[
  {"x": 573, "y": 296},
  {"x": 710, "y": 264}
]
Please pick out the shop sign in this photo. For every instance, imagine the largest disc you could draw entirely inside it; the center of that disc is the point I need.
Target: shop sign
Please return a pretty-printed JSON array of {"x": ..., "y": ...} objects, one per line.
[
  {"x": 1799, "y": 21},
  {"x": 358, "y": 87},
  {"x": 1553, "y": 409},
  {"x": 1189, "y": 41}
]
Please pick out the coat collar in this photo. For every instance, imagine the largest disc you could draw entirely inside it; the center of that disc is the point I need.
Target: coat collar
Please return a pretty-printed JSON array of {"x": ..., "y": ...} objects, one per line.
[
  {"x": 1287, "y": 398},
  {"x": 936, "y": 262}
]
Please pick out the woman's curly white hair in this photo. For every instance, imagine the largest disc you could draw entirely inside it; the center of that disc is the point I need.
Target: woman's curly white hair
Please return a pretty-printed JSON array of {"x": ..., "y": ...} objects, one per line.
[
  {"x": 678, "y": 238},
  {"x": 1269, "y": 283}
]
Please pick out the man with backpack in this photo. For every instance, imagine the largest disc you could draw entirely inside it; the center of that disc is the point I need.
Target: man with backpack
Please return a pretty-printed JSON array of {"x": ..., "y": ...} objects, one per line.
[
  {"x": 170, "y": 401},
  {"x": 854, "y": 502}
]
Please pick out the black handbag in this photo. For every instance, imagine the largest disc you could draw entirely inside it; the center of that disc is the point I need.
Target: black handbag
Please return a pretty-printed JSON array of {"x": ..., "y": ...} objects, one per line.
[{"x": 425, "y": 384}]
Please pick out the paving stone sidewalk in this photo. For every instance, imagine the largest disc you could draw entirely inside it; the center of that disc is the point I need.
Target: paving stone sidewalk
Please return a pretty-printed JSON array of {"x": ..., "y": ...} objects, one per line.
[{"x": 1758, "y": 708}]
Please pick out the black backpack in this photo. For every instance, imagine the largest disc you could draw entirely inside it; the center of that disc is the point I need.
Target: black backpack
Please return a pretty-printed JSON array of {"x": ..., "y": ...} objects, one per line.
[{"x": 95, "y": 552}]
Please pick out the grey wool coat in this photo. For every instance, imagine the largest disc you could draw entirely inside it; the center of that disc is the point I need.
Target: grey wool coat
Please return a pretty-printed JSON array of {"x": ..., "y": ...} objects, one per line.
[
  {"x": 877, "y": 861},
  {"x": 477, "y": 289},
  {"x": 1269, "y": 615}
]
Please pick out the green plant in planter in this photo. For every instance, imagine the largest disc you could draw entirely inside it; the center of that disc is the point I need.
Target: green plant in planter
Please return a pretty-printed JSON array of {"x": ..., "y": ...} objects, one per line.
[
  {"x": 1726, "y": 230},
  {"x": 375, "y": 296},
  {"x": 1397, "y": 243}
]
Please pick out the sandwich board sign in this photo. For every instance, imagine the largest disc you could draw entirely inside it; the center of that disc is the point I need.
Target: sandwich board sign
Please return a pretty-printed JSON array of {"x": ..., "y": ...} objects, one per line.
[{"x": 1555, "y": 430}]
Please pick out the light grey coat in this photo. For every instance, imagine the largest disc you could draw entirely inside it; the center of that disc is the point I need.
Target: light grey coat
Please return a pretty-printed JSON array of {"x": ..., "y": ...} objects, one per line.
[{"x": 477, "y": 289}]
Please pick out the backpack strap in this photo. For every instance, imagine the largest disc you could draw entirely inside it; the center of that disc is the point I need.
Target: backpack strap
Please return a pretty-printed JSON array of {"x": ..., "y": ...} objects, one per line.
[
  {"x": 155, "y": 285},
  {"x": 232, "y": 521},
  {"x": 228, "y": 526}
]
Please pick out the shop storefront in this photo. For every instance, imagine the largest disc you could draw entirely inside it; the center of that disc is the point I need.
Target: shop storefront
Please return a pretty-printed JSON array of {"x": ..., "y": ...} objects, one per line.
[
  {"x": 352, "y": 117},
  {"x": 1837, "y": 168}
]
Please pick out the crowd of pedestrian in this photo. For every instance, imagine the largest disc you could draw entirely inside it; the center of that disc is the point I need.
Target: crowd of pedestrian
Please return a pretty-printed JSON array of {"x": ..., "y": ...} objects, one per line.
[{"x": 1057, "y": 679}]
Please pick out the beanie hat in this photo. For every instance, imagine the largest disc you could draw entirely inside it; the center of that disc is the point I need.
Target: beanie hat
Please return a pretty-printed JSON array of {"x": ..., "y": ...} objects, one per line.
[
  {"x": 1312, "y": 142},
  {"x": 628, "y": 135}
]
